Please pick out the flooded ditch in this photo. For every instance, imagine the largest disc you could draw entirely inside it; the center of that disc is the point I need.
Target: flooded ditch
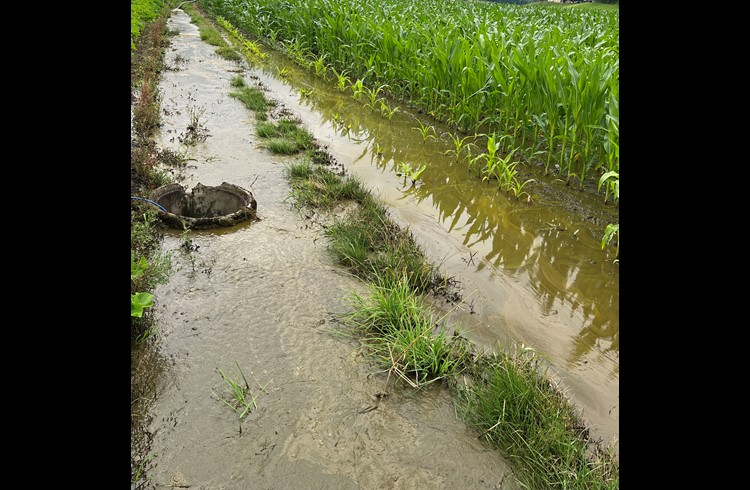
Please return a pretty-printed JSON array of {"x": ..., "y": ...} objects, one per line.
[{"x": 262, "y": 296}]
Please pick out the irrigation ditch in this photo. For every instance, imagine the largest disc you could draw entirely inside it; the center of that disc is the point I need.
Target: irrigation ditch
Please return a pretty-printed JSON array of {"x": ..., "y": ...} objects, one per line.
[{"x": 259, "y": 303}]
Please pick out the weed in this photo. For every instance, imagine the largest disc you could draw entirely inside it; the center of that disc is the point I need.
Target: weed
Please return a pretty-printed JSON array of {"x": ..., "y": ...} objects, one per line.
[
  {"x": 196, "y": 132},
  {"x": 254, "y": 100},
  {"x": 237, "y": 81},
  {"x": 241, "y": 399}
]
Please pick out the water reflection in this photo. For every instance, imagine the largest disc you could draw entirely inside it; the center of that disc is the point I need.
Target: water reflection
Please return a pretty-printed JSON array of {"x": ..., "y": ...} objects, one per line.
[{"x": 555, "y": 251}]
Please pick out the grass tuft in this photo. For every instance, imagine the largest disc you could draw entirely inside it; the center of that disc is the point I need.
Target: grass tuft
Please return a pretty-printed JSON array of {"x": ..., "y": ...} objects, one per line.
[{"x": 516, "y": 408}]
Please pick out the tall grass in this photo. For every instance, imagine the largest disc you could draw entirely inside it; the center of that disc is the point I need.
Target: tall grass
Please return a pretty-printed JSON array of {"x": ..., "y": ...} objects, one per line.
[
  {"x": 513, "y": 404},
  {"x": 402, "y": 335}
]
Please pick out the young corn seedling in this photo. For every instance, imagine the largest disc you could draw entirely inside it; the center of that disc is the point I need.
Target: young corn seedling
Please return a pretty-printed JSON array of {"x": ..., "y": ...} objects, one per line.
[
  {"x": 387, "y": 111},
  {"x": 612, "y": 179},
  {"x": 611, "y": 232},
  {"x": 283, "y": 72},
  {"x": 321, "y": 69},
  {"x": 516, "y": 187},
  {"x": 459, "y": 144},
  {"x": 494, "y": 165},
  {"x": 341, "y": 79},
  {"x": 358, "y": 88},
  {"x": 409, "y": 173},
  {"x": 372, "y": 94},
  {"x": 425, "y": 129}
]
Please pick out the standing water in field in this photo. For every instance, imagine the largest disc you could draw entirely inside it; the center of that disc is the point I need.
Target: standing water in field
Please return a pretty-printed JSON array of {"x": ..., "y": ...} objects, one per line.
[
  {"x": 532, "y": 268},
  {"x": 256, "y": 303}
]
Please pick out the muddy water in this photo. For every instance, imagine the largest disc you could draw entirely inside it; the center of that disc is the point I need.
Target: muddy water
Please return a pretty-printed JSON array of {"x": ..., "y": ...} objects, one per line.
[
  {"x": 259, "y": 300},
  {"x": 532, "y": 272}
]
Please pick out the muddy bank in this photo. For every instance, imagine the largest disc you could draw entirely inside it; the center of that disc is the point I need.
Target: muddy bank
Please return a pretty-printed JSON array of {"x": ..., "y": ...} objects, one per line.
[{"x": 263, "y": 296}]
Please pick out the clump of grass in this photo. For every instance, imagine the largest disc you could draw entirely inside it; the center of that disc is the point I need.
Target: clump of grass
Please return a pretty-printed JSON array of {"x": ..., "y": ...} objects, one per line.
[
  {"x": 321, "y": 188},
  {"x": 365, "y": 240},
  {"x": 402, "y": 335},
  {"x": 285, "y": 137},
  {"x": 376, "y": 249},
  {"x": 240, "y": 399},
  {"x": 516, "y": 408},
  {"x": 255, "y": 100},
  {"x": 229, "y": 53},
  {"x": 237, "y": 81},
  {"x": 283, "y": 146}
]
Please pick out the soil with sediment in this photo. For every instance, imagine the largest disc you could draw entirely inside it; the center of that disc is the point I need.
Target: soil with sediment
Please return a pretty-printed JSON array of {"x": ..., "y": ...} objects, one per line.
[{"x": 261, "y": 300}]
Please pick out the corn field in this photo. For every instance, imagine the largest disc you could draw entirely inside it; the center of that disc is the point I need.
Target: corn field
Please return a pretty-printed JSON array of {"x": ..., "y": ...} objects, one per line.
[{"x": 542, "y": 81}]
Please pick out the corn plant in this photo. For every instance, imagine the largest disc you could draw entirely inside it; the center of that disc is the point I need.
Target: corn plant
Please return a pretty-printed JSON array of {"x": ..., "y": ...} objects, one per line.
[
  {"x": 459, "y": 144},
  {"x": 358, "y": 88},
  {"x": 406, "y": 170},
  {"x": 494, "y": 165},
  {"x": 387, "y": 111},
  {"x": 283, "y": 72},
  {"x": 321, "y": 69},
  {"x": 516, "y": 187},
  {"x": 424, "y": 130},
  {"x": 612, "y": 232},
  {"x": 612, "y": 181},
  {"x": 548, "y": 78},
  {"x": 341, "y": 79},
  {"x": 372, "y": 95}
]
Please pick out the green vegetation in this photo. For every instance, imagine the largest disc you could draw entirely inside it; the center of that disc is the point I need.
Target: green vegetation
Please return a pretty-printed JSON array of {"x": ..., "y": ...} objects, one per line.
[
  {"x": 139, "y": 301},
  {"x": 509, "y": 398},
  {"x": 515, "y": 407},
  {"x": 238, "y": 395},
  {"x": 211, "y": 35},
  {"x": 544, "y": 76},
  {"x": 237, "y": 81},
  {"x": 400, "y": 333},
  {"x": 254, "y": 99},
  {"x": 148, "y": 264},
  {"x": 409, "y": 173},
  {"x": 284, "y": 137},
  {"x": 142, "y": 12}
]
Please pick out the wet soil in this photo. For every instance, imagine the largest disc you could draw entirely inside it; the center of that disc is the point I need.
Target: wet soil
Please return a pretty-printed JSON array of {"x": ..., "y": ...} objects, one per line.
[{"x": 260, "y": 299}]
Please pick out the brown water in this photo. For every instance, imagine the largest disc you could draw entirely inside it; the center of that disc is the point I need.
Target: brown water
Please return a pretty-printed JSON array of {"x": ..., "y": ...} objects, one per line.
[{"x": 264, "y": 295}]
